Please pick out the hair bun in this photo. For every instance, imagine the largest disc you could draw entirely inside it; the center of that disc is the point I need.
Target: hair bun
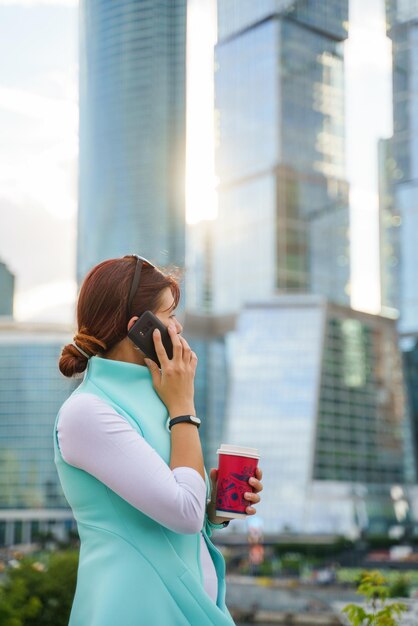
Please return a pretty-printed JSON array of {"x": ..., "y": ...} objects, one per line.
[{"x": 72, "y": 360}]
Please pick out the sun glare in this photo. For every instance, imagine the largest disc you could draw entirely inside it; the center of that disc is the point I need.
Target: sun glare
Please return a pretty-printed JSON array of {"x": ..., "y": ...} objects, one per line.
[
  {"x": 201, "y": 199},
  {"x": 368, "y": 118}
]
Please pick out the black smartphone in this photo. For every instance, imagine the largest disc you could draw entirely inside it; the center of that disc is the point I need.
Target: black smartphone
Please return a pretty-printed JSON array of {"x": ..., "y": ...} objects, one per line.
[{"x": 141, "y": 334}]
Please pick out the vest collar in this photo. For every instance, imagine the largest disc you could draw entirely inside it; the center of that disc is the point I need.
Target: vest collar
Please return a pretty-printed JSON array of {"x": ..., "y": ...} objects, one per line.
[{"x": 109, "y": 369}]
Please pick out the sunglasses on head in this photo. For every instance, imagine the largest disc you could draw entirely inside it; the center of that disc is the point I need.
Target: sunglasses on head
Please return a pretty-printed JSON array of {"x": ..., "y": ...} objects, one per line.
[{"x": 140, "y": 261}]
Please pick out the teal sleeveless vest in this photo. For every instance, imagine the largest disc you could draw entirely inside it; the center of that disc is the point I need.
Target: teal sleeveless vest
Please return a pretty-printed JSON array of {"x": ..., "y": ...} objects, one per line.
[{"x": 133, "y": 571}]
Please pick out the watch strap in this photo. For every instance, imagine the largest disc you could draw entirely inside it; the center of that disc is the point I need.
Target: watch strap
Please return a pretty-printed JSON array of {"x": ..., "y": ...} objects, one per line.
[{"x": 190, "y": 419}]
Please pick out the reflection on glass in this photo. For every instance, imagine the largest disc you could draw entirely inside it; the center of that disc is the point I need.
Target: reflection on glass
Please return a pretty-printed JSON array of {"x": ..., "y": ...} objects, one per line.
[
  {"x": 31, "y": 392},
  {"x": 319, "y": 389},
  {"x": 279, "y": 97},
  {"x": 132, "y": 131},
  {"x": 402, "y": 17}
]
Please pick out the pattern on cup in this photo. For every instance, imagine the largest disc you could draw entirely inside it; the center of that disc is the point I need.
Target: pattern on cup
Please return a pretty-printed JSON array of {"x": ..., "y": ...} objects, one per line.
[{"x": 231, "y": 490}]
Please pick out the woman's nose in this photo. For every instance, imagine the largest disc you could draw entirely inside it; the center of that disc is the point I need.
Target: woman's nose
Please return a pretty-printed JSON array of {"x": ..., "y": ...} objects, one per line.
[{"x": 179, "y": 327}]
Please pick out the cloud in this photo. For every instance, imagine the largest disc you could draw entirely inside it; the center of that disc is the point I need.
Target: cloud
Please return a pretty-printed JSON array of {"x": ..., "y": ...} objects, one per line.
[
  {"x": 36, "y": 246},
  {"x": 35, "y": 3},
  {"x": 38, "y": 157},
  {"x": 33, "y": 105},
  {"x": 47, "y": 302}
]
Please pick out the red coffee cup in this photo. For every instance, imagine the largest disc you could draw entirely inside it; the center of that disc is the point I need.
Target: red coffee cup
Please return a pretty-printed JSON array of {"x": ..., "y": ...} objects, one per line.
[{"x": 236, "y": 466}]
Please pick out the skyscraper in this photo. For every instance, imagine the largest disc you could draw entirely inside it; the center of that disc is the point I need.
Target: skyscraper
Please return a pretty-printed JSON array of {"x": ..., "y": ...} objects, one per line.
[
  {"x": 31, "y": 392},
  {"x": 318, "y": 388},
  {"x": 283, "y": 197},
  {"x": 402, "y": 16},
  {"x": 132, "y": 131},
  {"x": 208, "y": 336},
  {"x": 389, "y": 224},
  {"x": 7, "y": 282}
]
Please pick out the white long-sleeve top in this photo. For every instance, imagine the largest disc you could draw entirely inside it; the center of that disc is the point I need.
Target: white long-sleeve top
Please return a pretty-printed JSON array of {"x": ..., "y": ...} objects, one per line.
[{"x": 95, "y": 438}]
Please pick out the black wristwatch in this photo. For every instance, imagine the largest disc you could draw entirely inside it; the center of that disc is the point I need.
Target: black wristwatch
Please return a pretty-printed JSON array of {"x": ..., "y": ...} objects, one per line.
[{"x": 190, "y": 419}]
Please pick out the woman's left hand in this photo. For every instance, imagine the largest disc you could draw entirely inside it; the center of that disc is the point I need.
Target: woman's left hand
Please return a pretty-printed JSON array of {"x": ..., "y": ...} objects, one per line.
[{"x": 251, "y": 496}]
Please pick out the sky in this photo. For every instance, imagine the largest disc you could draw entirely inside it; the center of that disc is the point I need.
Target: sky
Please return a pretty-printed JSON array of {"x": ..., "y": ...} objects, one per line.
[
  {"x": 39, "y": 144},
  {"x": 38, "y": 154}
]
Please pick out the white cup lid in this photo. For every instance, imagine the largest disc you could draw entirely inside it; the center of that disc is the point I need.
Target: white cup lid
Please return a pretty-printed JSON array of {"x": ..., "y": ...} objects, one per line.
[{"x": 227, "y": 448}]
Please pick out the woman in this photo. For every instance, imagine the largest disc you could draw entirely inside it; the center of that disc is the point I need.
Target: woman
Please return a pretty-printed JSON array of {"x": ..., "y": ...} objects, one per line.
[{"x": 136, "y": 482}]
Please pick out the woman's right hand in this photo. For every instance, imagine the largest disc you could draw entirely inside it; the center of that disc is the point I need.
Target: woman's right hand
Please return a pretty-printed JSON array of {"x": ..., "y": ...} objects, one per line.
[{"x": 174, "y": 383}]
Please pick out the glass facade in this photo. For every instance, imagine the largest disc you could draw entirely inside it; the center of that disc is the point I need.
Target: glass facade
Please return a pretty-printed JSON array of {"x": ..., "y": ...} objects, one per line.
[
  {"x": 402, "y": 16},
  {"x": 243, "y": 263},
  {"x": 274, "y": 381},
  {"x": 318, "y": 389},
  {"x": 7, "y": 283},
  {"x": 132, "y": 131},
  {"x": 208, "y": 337},
  {"x": 210, "y": 394},
  {"x": 410, "y": 358},
  {"x": 237, "y": 15},
  {"x": 362, "y": 407},
  {"x": 329, "y": 17},
  {"x": 279, "y": 97},
  {"x": 312, "y": 90},
  {"x": 389, "y": 223},
  {"x": 199, "y": 270},
  {"x": 31, "y": 392},
  {"x": 247, "y": 103}
]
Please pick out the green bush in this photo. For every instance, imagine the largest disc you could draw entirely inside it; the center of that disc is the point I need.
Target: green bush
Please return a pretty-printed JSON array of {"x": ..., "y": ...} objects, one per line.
[
  {"x": 266, "y": 568},
  {"x": 374, "y": 587},
  {"x": 352, "y": 575},
  {"x": 291, "y": 563},
  {"x": 400, "y": 587},
  {"x": 39, "y": 593}
]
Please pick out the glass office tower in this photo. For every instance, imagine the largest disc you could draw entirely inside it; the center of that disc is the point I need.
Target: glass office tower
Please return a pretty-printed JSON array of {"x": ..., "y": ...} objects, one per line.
[
  {"x": 389, "y": 226},
  {"x": 402, "y": 28},
  {"x": 132, "y": 131},
  {"x": 7, "y": 282},
  {"x": 318, "y": 389},
  {"x": 208, "y": 336},
  {"x": 199, "y": 266},
  {"x": 283, "y": 197},
  {"x": 31, "y": 392}
]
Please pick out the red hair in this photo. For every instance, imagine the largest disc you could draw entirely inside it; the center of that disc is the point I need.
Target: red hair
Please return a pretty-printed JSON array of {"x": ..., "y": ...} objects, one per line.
[{"x": 102, "y": 315}]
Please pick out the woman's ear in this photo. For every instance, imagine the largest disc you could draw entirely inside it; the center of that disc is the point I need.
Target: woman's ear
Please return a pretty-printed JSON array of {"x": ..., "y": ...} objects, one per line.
[{"x": 132, "y": 322}]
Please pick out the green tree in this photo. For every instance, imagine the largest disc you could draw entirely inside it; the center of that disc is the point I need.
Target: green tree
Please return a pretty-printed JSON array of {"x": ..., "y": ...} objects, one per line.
[
  {"x": 400, "y": 587},
  {"x": 39, "y": 593},
  {"x": 374, "y": 587}
]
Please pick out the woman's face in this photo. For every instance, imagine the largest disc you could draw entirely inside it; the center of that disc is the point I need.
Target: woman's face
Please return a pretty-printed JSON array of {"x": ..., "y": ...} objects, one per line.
[{"x": 166, "y": 310}]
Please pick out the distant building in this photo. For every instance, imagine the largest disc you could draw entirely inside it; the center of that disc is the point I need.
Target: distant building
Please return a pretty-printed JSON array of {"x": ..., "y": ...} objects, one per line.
[
  {"x": 199, "y": 266},
  {"x": 401, "y": 20},
  {"x": 402, "y": 16},
  {"x": 132, "y": 131},
  {"x": 7, "y": 282},
  {"x": 31, "y": 391},
  {"x": 409, "y": 346},
  {"x": 209, "y": 336},
  {"x": 318, "y": 388},
  {"x": 283, "y": 196},
  {"x": 389, "y": 227}
]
